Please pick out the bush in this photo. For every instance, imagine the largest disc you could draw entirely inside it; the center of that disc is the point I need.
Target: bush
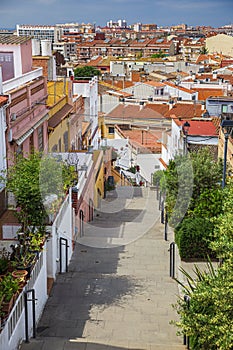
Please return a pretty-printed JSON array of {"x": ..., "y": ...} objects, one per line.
[{"x": 193, "y": 236}]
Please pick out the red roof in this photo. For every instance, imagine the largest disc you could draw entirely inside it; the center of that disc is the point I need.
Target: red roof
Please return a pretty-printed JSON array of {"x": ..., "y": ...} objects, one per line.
[{"x": 202, "y": 128}]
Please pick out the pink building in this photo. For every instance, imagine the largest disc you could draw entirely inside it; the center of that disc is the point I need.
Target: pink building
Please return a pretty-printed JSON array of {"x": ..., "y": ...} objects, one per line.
[{"x": 26, "y": 115}]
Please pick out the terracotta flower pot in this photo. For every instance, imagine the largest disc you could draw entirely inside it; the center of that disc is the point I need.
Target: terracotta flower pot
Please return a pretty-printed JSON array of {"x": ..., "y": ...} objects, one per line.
[{"x": 20, "y": 274}]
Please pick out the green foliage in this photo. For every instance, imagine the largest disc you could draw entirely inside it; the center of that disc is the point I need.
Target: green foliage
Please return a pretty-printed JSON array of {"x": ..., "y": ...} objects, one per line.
[
  {"x": 209, "y": 319},
  {"x": 86, "y": 72},
  {"x": 204, "y": 51},
  {"x": 23, "y": 182},
  {"x": 207, "y": 172},
  {"x": 8, "y": 287},
  {"x": 179, "y": 187},
  {"x": 30, "y": 180},
  {"x": 160, "y": 54},
  {"x": 186, "y": 179},
  {"x": 193, "y": 237},
  {"x": 209, "y": 203},
  {"x": 157, "y": 177},
  {"x": 55, "y": 176},
  {"x": 223, "y": 243},
  {"x": 132, "y": 169}
]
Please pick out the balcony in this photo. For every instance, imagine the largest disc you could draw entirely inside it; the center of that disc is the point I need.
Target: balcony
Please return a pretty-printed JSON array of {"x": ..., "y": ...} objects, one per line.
[{"x": 23, "y": 79}]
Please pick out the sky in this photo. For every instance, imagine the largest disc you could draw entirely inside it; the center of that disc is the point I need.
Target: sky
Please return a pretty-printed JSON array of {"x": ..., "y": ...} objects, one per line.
[{"x": 162, "y": 12}]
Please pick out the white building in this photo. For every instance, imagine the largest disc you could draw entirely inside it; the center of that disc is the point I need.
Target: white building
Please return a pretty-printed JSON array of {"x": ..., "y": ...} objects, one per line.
[
  {"x": 89, "y": 91},
  {"x": 52, "y": 33}
]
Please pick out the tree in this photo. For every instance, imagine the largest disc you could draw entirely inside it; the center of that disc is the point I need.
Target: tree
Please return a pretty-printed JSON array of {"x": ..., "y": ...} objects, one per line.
[
  {"x": 30, "y": 179},
  {"x": 86, "y": 72},
  {"x": 204, "y": 51},
  {"x": 198, "y": 173}
]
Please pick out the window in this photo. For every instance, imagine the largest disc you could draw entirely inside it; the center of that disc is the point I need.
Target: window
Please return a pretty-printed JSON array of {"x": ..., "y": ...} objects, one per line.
[
  {"x": 111, "y": 130},
  {"x": 224, "y": 108}
]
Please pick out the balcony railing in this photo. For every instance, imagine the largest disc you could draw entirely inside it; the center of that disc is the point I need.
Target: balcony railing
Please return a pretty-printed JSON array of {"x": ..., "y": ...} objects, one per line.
[{"x": 23, "y": 79}]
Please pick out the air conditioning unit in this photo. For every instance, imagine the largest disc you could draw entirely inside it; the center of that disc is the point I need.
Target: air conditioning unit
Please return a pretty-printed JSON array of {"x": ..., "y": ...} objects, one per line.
[{"x": 13, "y": 116}]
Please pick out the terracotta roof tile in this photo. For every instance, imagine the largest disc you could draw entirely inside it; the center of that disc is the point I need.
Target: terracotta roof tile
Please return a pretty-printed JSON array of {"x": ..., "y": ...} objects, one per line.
[
  {"x": 202, "y": 127},
  {"x": 134, "y": 111},
  {"x": 3, "y": 100},
  {"x": 154, "y": 83},
  {"x": 143, "y": 138},
  {"x": 203, "y": 94},
  {"x": 185, "y": 111}
]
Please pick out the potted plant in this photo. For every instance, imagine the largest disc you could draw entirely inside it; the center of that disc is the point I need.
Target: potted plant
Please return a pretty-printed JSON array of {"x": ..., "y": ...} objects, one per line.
[
  {"x": 22, "y": 258},
  {"x": 20, "y": 275},
  {"x": 9, "y": 287}
]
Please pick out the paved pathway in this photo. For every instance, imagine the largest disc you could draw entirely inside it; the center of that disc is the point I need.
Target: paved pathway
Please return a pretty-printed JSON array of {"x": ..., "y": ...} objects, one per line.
[{"x": 119, "y": 297}]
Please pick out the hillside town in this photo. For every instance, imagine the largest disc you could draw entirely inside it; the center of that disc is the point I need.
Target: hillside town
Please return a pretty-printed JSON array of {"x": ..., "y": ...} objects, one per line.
[{"x": 91, "y": 117}]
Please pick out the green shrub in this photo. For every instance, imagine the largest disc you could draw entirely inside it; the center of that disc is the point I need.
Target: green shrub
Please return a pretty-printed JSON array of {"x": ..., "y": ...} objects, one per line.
[{"x": 193, "y": 236}]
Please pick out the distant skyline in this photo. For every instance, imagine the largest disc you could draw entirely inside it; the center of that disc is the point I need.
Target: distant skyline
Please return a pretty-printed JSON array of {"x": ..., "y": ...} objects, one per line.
[{"x": 215, "y": 13}]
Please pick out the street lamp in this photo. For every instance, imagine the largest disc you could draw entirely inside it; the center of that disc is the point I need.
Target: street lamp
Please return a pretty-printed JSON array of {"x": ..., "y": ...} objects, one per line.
[
  {"x": 227, "y": 127},
  {"x": 185, "y": 128}
]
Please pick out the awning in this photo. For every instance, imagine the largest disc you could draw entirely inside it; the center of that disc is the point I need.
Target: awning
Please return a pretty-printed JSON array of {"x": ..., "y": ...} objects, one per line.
[
  {"x": 33, "y": 125},
  {"x": 55, "y": 120},
  {"x": 85, "y": 127}
]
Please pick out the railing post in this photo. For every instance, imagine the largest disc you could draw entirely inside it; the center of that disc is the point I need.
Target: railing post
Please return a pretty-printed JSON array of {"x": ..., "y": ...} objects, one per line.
[
  {"x": 160, "y": 200},
  {"x": 66, "y": 252},
  {"x": 165, "y": 226},
  {"x": 162, "y": 212},
  {"x": 33, "y": 313},
  {"x": 186, "y": 338},
  {"x": 172, "y": 260}
]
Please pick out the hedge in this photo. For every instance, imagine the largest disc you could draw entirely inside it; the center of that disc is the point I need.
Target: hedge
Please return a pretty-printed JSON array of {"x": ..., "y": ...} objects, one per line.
[{"x": 193, "y": 236}]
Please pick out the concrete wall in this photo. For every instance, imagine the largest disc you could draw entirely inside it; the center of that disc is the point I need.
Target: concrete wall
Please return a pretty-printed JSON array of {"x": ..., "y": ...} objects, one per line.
[
  {"x": 13, "y": 332},
  {"x": 63, "y": 227}
]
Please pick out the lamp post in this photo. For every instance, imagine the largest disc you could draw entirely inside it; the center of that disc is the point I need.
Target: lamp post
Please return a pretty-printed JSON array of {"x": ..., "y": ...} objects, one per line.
[
  {"x": 227, "y": 127},
  {"x": 185, "y": 129}
]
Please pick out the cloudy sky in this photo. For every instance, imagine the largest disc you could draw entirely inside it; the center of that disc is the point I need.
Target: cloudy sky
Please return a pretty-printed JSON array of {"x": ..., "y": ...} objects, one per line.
[{"x": 161, "y": 12}]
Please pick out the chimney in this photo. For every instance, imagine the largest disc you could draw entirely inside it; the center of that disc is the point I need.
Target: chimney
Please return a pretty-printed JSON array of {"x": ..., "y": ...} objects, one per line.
[
  {"x": 203, "y": 106},
  {"x": 215, "y": 75},
  {"x": 170, "y": 104},
  {"x": 141, "y": 104}
]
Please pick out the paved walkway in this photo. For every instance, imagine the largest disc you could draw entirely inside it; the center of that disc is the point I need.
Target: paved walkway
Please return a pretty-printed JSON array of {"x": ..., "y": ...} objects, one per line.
[{"x": 117, "y": 294}]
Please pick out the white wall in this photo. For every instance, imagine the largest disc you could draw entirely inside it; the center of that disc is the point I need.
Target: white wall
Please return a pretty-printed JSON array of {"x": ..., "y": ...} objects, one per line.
[
  {"x": 62, "y": 227},
  {"x": 13, "y": 332},
  {"x": 148, "y": 163}
]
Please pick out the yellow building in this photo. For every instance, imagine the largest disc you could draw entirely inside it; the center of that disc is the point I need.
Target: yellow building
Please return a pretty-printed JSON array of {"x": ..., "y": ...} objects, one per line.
[
  {"x": 220, "y": 43},
  {"x": 99, "y": 177},
  {"x": 60, "y": 109},
  {"x": 107, "y": 129}
]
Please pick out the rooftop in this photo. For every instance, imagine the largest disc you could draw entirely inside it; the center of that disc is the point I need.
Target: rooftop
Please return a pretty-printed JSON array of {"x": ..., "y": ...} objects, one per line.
[{"x": 13, "y": 39}]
